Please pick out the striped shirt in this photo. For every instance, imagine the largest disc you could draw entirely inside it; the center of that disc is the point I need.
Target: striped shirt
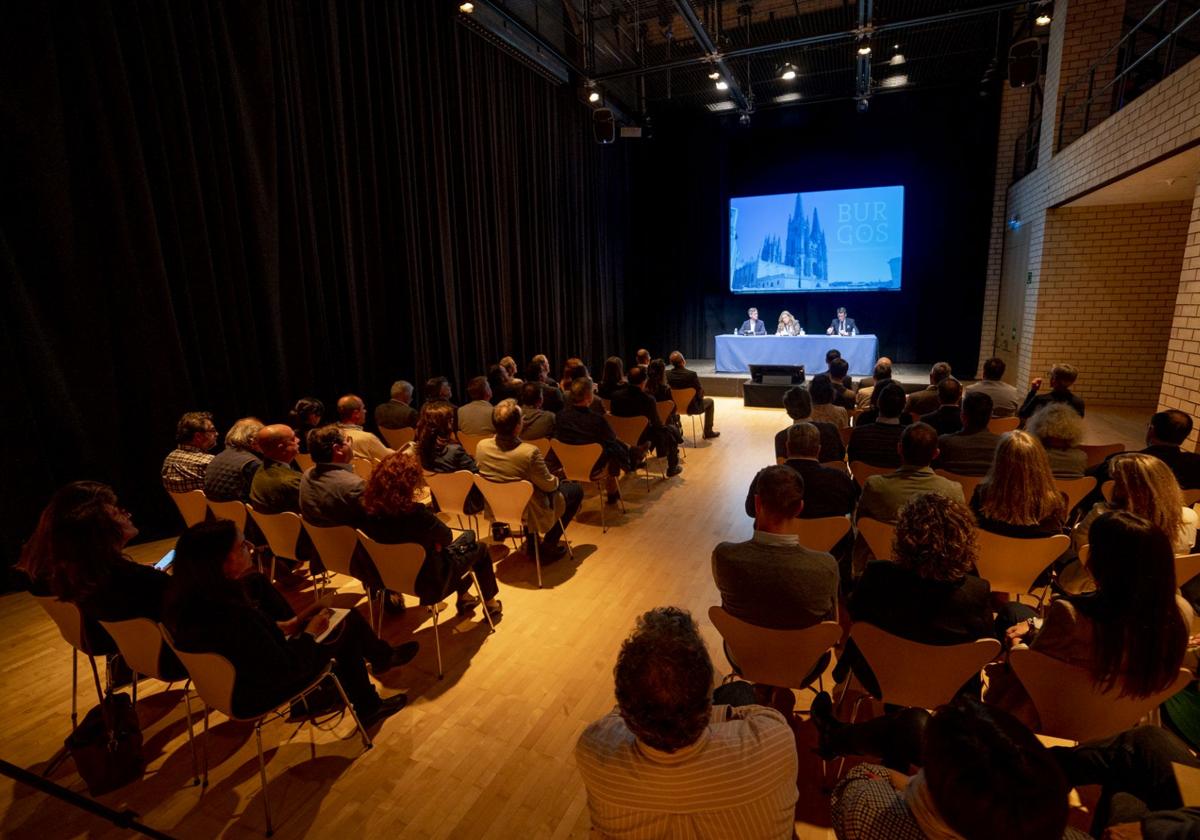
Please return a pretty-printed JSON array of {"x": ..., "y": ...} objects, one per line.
[
  {"x": 183, "y": 469},
  {"x": 737, "y": 780}
]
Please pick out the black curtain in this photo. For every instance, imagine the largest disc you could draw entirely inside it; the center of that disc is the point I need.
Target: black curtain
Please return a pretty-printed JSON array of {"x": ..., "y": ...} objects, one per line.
[{"x": 227, "y": 206}]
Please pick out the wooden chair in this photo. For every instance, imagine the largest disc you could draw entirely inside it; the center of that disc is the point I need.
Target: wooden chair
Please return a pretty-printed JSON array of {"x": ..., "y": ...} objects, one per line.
[
  {"x": 845, "y": 435},
  {"x": 398, "y": 565},
  {"x": 141, "y": 644},
  {"x": 577, "y": 462},
  {"x": 879, "y": 536},
  {"x": 507, "y": 501},
  {"x": 397, "y": 438},
  {"x": 450, "y": 491},
  {"x": 234, "y": 511},
  {"x": 1097, "y": 452},
  {"x": 968, "y": 482},
  {"x": 1190, "y": 498},
  {"x": 543, "y": 445},
  {"x": 782, "y": 658},
  {"x": 861, "y": 471},
  {"x": 1187, "y": 566},
  {"x": 281, "y": 531},
  {"x": 363, "y": 467},
  {"x": 835, "y": 465},
  {"x": 304, "y": 461},
  {"x": 820, "y": 534},
  {"x": 1011, "y": 564},
  {"x": 1070, "y": 706},
  {"x": 214, "y": 677},
  {"x": 682, "y": 397},
  {"x": 335, "y": 546},
  {"x": 192, "y": 506},
  {"x": 1000, "y": 425},
  {"x": 1106, "y": 490},
  {"x": 1075, "y": 488},
  {"x": 665, "y": 409},
  {"x": 629, "y": 431},
  {"x": 471, "y": 442}
]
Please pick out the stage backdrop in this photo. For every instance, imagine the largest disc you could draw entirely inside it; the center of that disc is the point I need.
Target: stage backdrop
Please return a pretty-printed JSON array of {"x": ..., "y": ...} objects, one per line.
[
  {"x": 227, "y": 206},
  {"x": 939, "y": 145}
]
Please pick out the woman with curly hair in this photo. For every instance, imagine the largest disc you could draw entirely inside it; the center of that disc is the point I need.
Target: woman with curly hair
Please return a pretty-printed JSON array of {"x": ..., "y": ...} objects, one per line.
[
  {"x": 395, "y": 516},
  {"x": 788, "y": 325},
  {"x": 305, "y": 416}
]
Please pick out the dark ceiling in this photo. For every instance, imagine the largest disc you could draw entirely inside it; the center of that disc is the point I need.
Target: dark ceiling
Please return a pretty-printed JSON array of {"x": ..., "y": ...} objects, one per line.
[{"x": 645, "y": 54}]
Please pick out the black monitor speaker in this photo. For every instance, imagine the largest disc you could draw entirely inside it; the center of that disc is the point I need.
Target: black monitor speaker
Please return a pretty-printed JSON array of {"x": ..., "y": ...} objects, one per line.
[
  {"x": 603, "y": 126},
  {"x": 1024, "y": 62},
  {"x": 777, "y": 374}
]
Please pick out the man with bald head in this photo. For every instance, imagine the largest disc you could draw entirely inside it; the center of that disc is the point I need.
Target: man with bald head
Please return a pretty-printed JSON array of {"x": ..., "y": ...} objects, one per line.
[
  {"x": 352, "y": 412},
  {"x": 276, "y": 484}
]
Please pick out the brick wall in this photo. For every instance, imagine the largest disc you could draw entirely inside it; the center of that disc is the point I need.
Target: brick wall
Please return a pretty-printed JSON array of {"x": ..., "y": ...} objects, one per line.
[
  {"x": 1181, "y": 376},
  {"x": 1106, "y": 298},
  {"x": 1092, "y": 28}
]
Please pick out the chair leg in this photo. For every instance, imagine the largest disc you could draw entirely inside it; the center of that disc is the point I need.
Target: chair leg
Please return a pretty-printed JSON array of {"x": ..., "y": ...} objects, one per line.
[
  {"x": 437, "y": 639},
  {"x": 204, "y": 783},
  {"x": 366, "y": 738},
  {"x": 74, "y": 688},
  {"x": 563, "y": 528},
  {"x": 187, "y": 702},
  {"x": 483, "y": 602},
  {"x": 600, "y": 493},
  {"x": 96, "y": 679},
  {"x": 262, "y": 774},
  {"x": 537, "y": 558}
]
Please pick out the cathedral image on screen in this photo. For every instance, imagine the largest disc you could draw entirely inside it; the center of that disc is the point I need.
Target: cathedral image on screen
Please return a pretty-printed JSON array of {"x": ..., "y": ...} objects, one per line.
[{"x": 835, "y": 240}]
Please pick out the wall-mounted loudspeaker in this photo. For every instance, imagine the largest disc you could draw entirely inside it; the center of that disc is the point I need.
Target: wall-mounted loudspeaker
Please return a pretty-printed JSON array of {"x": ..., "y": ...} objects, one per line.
[
  {"x": 1024, "y": 62},
  {"x": 603, "y": 126}
]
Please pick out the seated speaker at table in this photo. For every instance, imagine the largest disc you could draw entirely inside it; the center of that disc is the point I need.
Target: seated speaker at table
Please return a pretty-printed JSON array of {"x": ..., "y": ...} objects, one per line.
[
  {"x": 788, "y": 325},
  {"x": 752, "y": 326},
  {"x": 841, "y": 325}
]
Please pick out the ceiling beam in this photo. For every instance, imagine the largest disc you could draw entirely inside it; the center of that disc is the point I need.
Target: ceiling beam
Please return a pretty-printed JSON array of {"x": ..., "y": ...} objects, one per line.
[{"x": 714, "y": 55}]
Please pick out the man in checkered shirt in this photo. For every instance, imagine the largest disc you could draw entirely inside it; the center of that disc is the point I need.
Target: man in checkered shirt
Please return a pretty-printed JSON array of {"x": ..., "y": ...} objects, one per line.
[{"x": 183, "y": 469}]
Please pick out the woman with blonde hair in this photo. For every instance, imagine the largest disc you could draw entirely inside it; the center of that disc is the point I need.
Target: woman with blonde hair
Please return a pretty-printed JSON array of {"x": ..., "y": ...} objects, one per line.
[
  {"x": 788, "y": 325},
  {"x": 1018, "y": 497},
  {"x": 1060, "y": 429},
  {"x": 1144, "y": 485}
]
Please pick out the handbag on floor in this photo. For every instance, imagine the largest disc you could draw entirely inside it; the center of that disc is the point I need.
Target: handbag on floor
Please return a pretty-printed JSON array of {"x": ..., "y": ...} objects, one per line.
[{"x": 107, "y": 745}]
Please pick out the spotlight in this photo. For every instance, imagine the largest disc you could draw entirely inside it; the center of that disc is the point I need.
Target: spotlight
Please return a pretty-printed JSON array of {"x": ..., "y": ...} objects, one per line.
[
  {"x": 788, "y": 72},
  {"x": 714, "y": 75},
  {"x": 593, "y": 97},
  {"x": 1042, "y": 20},
  {"x": 897, "y": 60},
  {"x": 864, "y": 49},
  {"x": 466, "y": 8},
  {"x": 863, "y": 104},
  {"x": 722, "y": 84}
]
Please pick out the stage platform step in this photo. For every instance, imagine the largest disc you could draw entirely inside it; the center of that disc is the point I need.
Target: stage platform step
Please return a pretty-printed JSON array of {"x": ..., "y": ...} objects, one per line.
[{"x": 730, "y": 384}]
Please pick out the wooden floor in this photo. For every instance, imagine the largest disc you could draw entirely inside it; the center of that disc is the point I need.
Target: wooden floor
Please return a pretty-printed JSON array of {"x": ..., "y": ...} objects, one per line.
[{"x": 484, "y": 753}]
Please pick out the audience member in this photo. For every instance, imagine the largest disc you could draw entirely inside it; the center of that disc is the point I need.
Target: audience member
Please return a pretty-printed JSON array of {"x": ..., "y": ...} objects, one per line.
[
  {"x": 611, "y": 378},
  {"x": 1131, "y": 632},
  {"x": 208, "y": 610},
  {"x": 553, "y": 399},
  {"x": 642, "y": 357},
  {"x": 866, "y": 387},
  {"x": 475, "y": 418},
  {"x": 797, "y": 402},
  {"x": 1062, "y": 377},
  {"x": 437, "y": 388},
  {"x": 397, "y": 413},
  {"x": 884, "y": 495},
  {"x": 1006, "y": 399},
  {"x": 305, "y": 416},
  {"x": 1060, "y": 430},
  {"x": 876, "y": 443},
  {"x": 926, "y": 400},
  {"x": 970, "y": 450},
  {"x": 843, "y": 395},
  {"x": 229, "y": 474},
  {"x": 331, "y": 492},
  {"x": 276, "y": 485},
  {"x": 501, "y": 384},
  {"x": 1165, "y": 436},
  {"x": 668, "y": 763},
  {"x": 827, "y": 492},
  {"x": 439, "y": 450},
  {"x": 948, "y": 417},
  {"x": 578, "y": 425},
  {"x": 510, "y": 367},
  {"x": 680, "y": 378},
  {"x": 1018, "y": 497},
  {"x": 506, "y": 458},
  {"x": 352, "y": 413},
  {"x": 183, "y": 468},
  {"x": 395, "y": 516},
  {"x": 571, "y": 370},
  {"x": 535, "y": 423},
  {"x": 630, "y": 400},
  {"x": 823, "y": 410}
]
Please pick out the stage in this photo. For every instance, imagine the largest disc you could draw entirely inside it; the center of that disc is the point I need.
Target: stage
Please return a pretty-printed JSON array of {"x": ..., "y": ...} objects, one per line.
[{"x": 730, "y": 384}]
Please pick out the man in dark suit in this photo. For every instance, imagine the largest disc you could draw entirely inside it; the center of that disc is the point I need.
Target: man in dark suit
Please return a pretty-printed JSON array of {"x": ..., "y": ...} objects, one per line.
[
  {"x": 827, "y": 492},
  {"x": 926, "y": 400},
  {"x": 797, "y": 402},
  {"x": 947, "y": 419},
  {"x": 876, "y": 443},
  {"x": 841, "y": 325},
  {"x": 752, "y": 326},
  {"x": 1165, "y": 436},
  {"x": 397, "y": 413},
  {"x": 578, "y": 425},
  {"x": 276, "y": 485},
  {"x": 970, "y": 451},
  {"x": 843, "y": 388},
  {"x": 679, "y": 377},
  {"x": 1062, "y": 377},
  {"x": 631, "y": 400}
]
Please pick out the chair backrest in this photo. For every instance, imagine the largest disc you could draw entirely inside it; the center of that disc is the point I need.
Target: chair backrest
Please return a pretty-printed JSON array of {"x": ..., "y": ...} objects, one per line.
[
  {"x": 281, "y": 530},
  {"x": 450, "y": 490},
  {"x": 968, "y": 482},
  {"x": 398, "y": 564},
  {"x": 845, "y": 435},
  {"x": 841, "y": 466},
  {"x": 1000, "y": 425},
  {"x": 627, "y": 429},
  {"x": 1190, "y": 497},
  {"x": 507, "y": 500},
  {"x": 398, "y": 438},
  {"x": 471, "y": 442},
  {"x": 212, "y": 675},
  {"x": 1075, "y": 488},
  {"x": 820, "y": 534},
  {"x": 140, "y": 643},
  {"x": 304, "y": 461},
  {"x": 1106, "y": 490},
  {"x": 1012, "y": 564},
  {"x": 192, "y": 506},
  {"x": 861, "y": 471},
  {"x": 1068, "y": 703},
  {"x": 878, "y": 535},
  {"x": 543, "y": 445},
  {"x": 68, "y": 618},
  {"x": 334, "y": 544},
  {"x": 682, "y": 397},
  {"x": 915, "y": 674},
  {"x": 363, "y": 467},
  {"x": 774, "y": 657},
  {"x": 1097, "y": 452},
  {"x": 1187, "y": 566},
  {"x": 234, "y": 511},
  {"x": 577, "y": 460},
  {"x": 665, "y": 409}
]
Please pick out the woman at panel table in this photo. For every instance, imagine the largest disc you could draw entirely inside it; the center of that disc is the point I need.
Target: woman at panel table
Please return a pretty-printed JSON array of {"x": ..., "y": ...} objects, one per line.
[{"x": 788, "y": 325}]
